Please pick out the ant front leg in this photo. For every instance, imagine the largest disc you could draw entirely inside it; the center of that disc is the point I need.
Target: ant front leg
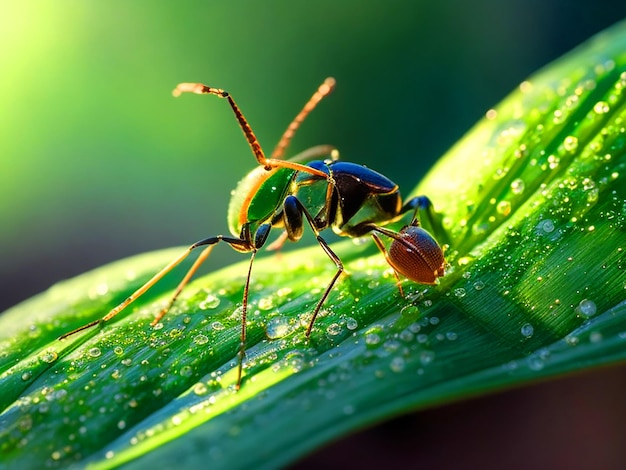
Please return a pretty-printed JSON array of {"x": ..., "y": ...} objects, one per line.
[
  {"x": 158, "y": 276},
  {"x": 293, "y": 210}
]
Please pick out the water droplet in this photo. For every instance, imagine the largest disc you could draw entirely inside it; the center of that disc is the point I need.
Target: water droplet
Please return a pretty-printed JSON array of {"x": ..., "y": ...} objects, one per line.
[
  {"x": 570, "y": 144},
  {"x": 527, "y": 330},
  {"x": 49, "y": 356},
  {"x": 121, "y": 424},
  {"x": 211, "y": 301},
  {"x": 517, "y": 186},
  {"x": 201, "y": 339},
  {"x": 266, "y": 303},
  {"x": 586, "y": 307},
  {"x": 601, "y": 107},
  {"x": 504, "y": 208},
  {"x": 595, "y": 337},
  {"x": 118, "y": 350},
  {"x": 200, "y": 389},
  {"x": 592, "y": 195},
  {"x": 372, "y": 338},
  {"x": 459, "y": 292},
  {"x": 186, "y": 371},
  {"x": 426, "y": 357},
  {"x": 278, "y": 327},
  {"x": 351, "y": 324},
  {"x": 94, "y": 352},
  {"x": 397, "y": 364},
  {"x": 217, "y": 326},
  {"x": 479, "y": 285},
  {"x": 451, "y": 336},
  {"x": 26, "y": 376},
  {"x": 333, "y": 329},
  {"x": 409, "y": 311},
  {"x": 546, "y": 226}
]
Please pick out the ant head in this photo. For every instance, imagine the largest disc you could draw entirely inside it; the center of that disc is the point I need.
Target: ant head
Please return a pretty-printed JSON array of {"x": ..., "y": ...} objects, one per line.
[{"x": 415, "y": 254}]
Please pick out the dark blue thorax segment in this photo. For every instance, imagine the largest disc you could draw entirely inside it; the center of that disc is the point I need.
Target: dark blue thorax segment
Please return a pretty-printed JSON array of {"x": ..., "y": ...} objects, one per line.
[{"x": 361, "y": 196}]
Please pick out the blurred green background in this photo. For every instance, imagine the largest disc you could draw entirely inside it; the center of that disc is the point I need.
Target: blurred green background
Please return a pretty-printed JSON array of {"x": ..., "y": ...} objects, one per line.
[{"x": 98, "y": 161}]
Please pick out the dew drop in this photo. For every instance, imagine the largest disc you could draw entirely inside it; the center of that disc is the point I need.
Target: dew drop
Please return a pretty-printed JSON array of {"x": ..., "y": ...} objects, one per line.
[
  {"x": 186, "y": 371},
  {"x": 586, "y": 307},
  {"x": 26, "y": 376},
  {"x": 351, "y": 324},
  {"x": 517, "y": 186},
  {"x": 49, "y": 356},
  {"x": 278, "y": 327},
  {"x": 427, "y": 357},
  {"x": 397, "y": 364},
  {"x": 546, "y": 226},
  {"x": 372, "y": 339},
  {"x": 570, "y": 143},
  {"x": 211, "y": 301},
  {"x": 595, "y": 337},
  {"x": 479, "y": 285},
  {"x": 592, "y": 195},
  {"x": 459, "y": 292},
  {"x": 217, "y": 326},
  {"x": 200, "y": 389},
  {"x": 201, "y": 339},
  {"x": 118, "y": 350},
  {"x": 527, "y": 330},
  {"x": 451, "y": 336},
  {"x": 266, "y": 303},
  {"x": 601, "y": 107},
  {"x": 409, "y": 311},
  {"x": 95, "y": 352},
  {"x": 504, "y": 208},
  {"x": 333, "y": 329}
]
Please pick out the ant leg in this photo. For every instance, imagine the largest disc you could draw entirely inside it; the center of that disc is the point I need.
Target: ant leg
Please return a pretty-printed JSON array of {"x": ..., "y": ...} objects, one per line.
[
  {"x": 156, "y": 278},
  {"x": 384, "y": 251},
  {"x": 331, "y": 254},
  {"x": 268, "y": 163},
  {"x": 201, "y": 259},
  {"x": 260, "y": 238},
  {"x": 293, "y": 211}
]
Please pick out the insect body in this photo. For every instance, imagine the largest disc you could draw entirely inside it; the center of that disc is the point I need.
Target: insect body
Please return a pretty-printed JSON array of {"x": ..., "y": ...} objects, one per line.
[{"x": 351, "y": 199}]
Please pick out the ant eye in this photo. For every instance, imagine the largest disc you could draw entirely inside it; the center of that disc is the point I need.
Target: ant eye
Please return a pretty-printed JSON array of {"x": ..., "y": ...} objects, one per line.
[{"x": 416, "y": 255}]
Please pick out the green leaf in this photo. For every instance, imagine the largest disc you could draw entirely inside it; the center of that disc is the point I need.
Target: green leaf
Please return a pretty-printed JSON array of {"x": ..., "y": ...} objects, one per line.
[{"x": 533, "y": 201}]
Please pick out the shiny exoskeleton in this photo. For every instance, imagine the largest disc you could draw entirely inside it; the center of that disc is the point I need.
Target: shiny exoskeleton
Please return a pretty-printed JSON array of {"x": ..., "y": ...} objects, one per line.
[{"x": 305, "y": 190}]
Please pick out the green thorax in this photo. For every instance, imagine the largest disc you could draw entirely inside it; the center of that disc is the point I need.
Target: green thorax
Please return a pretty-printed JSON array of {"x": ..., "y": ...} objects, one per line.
[{"x": 258, "y": 196}]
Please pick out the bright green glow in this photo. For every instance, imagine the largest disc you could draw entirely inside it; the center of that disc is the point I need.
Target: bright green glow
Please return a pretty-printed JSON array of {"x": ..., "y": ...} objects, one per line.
[{"x": 263, "y": 192}]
